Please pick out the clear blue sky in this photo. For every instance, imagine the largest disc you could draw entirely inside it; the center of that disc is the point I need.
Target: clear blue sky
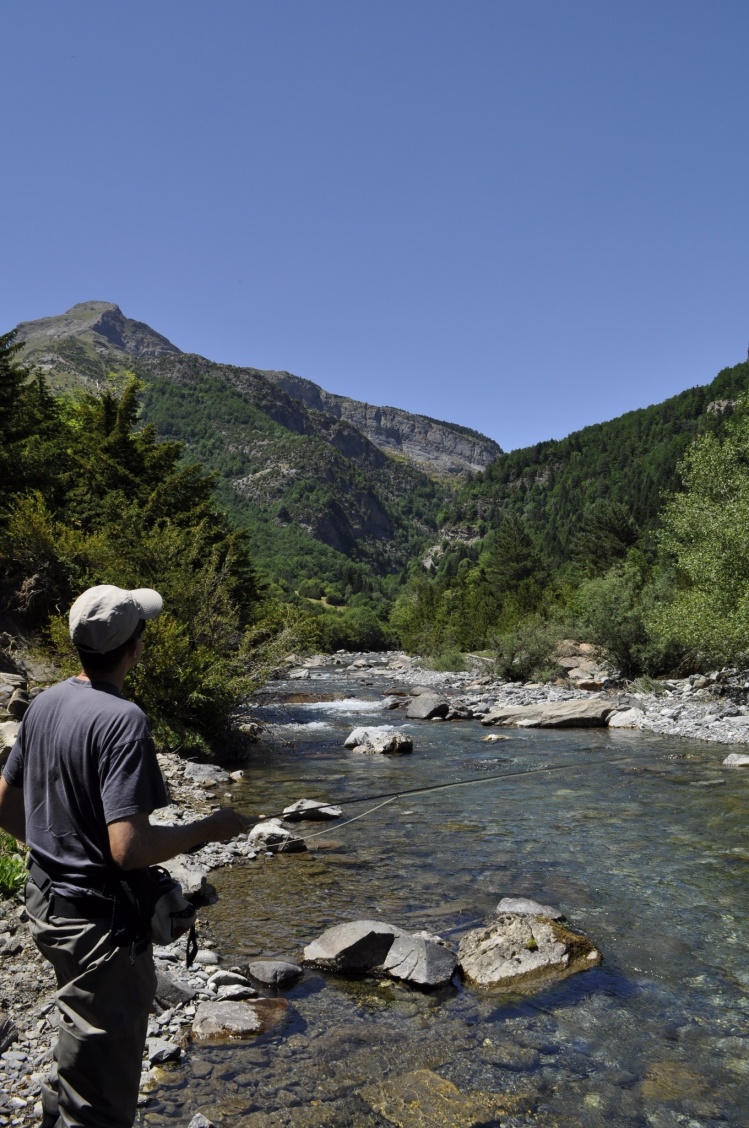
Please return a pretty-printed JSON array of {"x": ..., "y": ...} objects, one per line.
[{"x": 521, "y": 216}]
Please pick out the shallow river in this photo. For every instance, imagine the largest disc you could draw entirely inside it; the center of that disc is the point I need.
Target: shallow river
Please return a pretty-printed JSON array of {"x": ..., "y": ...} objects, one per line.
[{"x": 643, "y": 841}]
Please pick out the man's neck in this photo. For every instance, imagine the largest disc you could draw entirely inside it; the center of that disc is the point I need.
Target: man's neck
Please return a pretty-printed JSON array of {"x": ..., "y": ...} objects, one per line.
[{"x": 116, "y": 678}]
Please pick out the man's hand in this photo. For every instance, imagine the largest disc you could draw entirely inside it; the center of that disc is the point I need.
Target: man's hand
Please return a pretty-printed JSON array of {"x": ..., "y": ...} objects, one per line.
[
  {"x": 135, "y": 843},
  {"x": 226, "y": 824}
]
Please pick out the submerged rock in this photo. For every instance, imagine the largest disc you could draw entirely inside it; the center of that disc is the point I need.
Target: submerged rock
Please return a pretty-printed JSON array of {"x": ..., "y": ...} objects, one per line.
[
  {"x": 513, "y": 949},
  {"x": 237, "y": 1020},
  {"x": 423, "y": 1099}
]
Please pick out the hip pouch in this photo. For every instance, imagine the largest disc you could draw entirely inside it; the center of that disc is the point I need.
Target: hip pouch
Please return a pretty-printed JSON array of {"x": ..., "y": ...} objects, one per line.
[{"x": 150, "y": 905}]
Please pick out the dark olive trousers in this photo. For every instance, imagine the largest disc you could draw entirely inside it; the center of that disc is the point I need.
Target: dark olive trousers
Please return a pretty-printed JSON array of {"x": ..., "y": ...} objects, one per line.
[{"x": 104, "y": 996}]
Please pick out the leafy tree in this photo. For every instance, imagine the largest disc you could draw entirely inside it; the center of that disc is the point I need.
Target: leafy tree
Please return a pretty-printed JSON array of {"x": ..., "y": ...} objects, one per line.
[{"x": 706, "y": 529}]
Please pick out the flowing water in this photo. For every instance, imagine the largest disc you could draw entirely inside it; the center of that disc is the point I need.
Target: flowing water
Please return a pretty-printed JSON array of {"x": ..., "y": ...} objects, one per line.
[{"x": 642, "y": 840}]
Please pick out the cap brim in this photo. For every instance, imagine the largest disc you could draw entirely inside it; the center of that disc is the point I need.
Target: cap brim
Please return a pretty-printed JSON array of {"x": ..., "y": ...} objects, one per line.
[{"x": 149, "y": 602}]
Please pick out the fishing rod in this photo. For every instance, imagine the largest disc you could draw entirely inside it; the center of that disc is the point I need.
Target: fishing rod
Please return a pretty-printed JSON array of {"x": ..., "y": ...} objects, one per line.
[{"x": 391, "y": 796}]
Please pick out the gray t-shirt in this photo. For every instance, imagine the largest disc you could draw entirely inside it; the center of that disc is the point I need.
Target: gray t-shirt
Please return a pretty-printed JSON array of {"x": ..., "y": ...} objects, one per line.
[{"x": 85, "y": 758}]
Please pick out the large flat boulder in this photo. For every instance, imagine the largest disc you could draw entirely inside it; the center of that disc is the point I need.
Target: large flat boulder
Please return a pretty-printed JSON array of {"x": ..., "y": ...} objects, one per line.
[
  {"x": 515, "y": 948},
  {"x": 579, "y": 713},
  {"x": 420, "y": 961},
  {"x": 231, "y": 1019},
  {"x": 355, "y": 946},
  {"x": 426, "y": 706}
]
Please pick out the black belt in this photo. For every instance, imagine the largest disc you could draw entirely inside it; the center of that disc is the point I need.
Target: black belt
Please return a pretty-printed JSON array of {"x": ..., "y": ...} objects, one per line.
[{"x": 74, "y": 908}]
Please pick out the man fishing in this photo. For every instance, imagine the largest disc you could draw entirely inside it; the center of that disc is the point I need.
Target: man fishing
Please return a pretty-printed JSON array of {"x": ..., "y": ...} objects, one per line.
[{"x": 78, "y": 789}]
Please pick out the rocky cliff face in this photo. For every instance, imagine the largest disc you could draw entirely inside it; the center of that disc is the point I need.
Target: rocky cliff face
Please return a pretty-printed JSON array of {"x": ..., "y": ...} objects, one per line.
[
  {"x": 93, "y": 338},
  {"x": 437, "y": 448}
]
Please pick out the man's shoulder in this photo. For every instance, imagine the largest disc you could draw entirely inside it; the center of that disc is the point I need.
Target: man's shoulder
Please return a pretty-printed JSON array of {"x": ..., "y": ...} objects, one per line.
[{"x": 84, "y": 700}]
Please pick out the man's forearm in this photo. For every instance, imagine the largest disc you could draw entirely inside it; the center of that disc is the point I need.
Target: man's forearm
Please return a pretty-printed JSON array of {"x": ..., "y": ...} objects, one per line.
[{"x": 135, "y": 842}]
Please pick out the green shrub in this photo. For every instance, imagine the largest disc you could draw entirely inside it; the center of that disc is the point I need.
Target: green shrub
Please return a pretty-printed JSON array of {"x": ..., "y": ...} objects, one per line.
[
  {"x": 527, "y": 652},
  {"x": 13, "y": 871},
  {"x": 448, "y": 660}
]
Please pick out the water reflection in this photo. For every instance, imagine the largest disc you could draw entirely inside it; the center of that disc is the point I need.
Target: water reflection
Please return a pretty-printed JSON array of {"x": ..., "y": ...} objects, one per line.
[{"x": 651, "y": 866}]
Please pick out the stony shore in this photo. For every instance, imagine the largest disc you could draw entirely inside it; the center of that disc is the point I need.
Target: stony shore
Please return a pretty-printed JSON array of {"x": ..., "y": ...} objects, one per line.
[{"x": 709, "y": 707}]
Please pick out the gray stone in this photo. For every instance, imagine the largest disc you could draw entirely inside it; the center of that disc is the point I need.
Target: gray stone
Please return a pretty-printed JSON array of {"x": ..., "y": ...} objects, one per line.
[
  {"x": 236, "y": 991},
  {"x": 18, "y": 704},
  {"x": 207, "y": 775},
  {"x": 8, "y": 1032},
  {"x": 299, "y": 675},
  {"x": 579, "y": 713},
  {"x": 626, "y": 719},
  {"x": 420, "y": 961},
  {"x": 355, "y": 946},
  {"x": 514, "y": 949},
  {"x": 310, "y": 809},
  {"x": 230, "y": 1019},
  {"x": 270, "y": 835},
  {"x": 524, "y": 906},
  {"x": 427, "y": 706},
  {"x": 275, "y": 973},
  {"x": 362, "y": 735},
  {"x": 224, "y": 978},
  {"x": 160, "y": 1050},
  {"x": 171, "y": 991},
  {"x": 387, "y": 744},
  {"x": 200, "y": 1121},
  {"x": 191, "y": 876},
  {"x": 736, "y": 760}
]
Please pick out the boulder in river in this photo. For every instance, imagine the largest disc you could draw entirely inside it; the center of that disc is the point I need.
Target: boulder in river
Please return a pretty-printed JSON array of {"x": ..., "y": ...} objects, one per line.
[
  {"x": 356, "y": 946},
  {"x": 514, "y": 949},
  {"x": 310, "y": 809},
  {"x": 420, "y": 961},
  {"x": 385, "y": 740},
  {"x": 423, "y": 1099},
  {"x": 270, "y": 835},
  {"x": 427, "y": 706},
  {"x": 191, "y": 877},
  {"x": 233, "y": 1019},
  {"x": 578, "y": 713},
  {"x": 275, "y": 973},
  {"x": 736, "y": 760}
]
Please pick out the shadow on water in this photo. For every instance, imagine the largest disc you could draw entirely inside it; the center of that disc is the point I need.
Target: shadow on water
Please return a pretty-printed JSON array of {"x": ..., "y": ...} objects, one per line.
[{"x": 649, "y": 857}]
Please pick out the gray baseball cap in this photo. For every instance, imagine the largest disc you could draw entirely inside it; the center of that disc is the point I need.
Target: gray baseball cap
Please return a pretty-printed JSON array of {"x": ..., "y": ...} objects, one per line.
[{"x": 106, "y": 616}]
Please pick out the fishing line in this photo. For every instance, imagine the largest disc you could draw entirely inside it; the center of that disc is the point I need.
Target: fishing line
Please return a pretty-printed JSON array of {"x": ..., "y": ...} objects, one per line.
[{"x": 390, "y": 796}]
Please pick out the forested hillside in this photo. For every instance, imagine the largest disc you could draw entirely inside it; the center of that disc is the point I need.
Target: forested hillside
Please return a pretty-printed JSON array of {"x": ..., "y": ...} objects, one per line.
[{"x": 631, "y": 460}]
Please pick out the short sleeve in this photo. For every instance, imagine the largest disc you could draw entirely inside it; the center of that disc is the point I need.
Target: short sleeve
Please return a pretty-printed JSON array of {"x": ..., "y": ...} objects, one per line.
[
  {"x": 13, "y": 770},
  {"x": 131, "y": 781}
]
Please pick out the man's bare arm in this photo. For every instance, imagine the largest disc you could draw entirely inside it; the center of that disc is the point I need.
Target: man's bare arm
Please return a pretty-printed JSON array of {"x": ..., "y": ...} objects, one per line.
[
  {"x": 135, "y": 842},
  {"x": 12, "y": 810}
]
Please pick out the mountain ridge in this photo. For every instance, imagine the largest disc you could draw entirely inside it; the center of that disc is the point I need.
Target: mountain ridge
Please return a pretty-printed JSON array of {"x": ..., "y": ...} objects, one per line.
[{"x": 93, "y": 337}]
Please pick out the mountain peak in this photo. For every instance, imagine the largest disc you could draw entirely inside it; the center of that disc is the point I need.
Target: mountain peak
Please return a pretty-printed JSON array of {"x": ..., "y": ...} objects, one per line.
[{"x": 99, "y": 326}]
